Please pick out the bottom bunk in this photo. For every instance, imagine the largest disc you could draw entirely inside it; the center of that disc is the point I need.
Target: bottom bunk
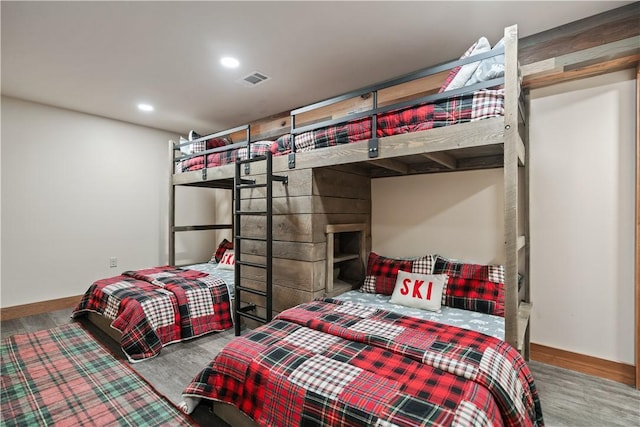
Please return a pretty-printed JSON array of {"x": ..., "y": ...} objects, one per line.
[
  {"x": 331, "y": 362},
  {"x": 145, "y": 310},
  {"x": 421, "y": 343}
]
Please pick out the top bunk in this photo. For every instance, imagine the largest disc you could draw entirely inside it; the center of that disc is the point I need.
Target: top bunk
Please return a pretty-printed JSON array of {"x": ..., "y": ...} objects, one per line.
[{"x": 454, "y": 116}]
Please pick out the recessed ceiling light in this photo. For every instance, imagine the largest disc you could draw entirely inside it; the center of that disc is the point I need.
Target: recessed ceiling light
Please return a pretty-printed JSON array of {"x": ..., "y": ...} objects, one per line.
[
  {"x": 230, "y": 62},
  {"x": 145, "y": 107}
]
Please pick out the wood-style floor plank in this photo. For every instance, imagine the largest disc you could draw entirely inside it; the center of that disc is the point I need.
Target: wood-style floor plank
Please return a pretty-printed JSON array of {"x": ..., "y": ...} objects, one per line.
[{"x": 568, "y": 398}]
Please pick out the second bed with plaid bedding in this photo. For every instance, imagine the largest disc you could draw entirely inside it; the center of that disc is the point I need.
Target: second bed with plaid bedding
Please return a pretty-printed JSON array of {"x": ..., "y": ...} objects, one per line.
[
  {"x": 339, "y": 364},
  {"x": 158, "y": 306}
]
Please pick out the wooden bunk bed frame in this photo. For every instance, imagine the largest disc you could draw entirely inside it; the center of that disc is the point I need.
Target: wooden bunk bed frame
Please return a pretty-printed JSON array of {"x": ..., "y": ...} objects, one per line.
[
  {"x": 487, "y": 143},
  {"x": 499, "y": 142}
]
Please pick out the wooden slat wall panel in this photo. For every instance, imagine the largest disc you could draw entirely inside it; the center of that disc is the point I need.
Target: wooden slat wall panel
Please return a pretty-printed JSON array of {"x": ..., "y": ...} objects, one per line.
[
  {"x": 607, "y": 27},
  {"x": 302, "y": 208}
]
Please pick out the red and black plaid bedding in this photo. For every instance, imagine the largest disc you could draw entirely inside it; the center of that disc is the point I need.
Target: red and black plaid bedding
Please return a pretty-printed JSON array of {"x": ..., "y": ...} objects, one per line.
[
  {"x": 339, "y": 364},
  {"x": 63, "y": 377},
  {"x": 158, "y": 306},
  {"x": 258, "y": 148},
  {"x": 481, "y": 104}
]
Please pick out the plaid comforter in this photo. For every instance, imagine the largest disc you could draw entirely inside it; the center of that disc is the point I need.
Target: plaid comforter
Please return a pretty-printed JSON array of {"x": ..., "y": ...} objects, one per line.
[
  {"x": 63, "y": 377},
  {"x": 339, "y": 364},
  {"x": 158, "y": 306},
  {"x": 479, "y": 105},
  {"x": 258, "y": 148}
]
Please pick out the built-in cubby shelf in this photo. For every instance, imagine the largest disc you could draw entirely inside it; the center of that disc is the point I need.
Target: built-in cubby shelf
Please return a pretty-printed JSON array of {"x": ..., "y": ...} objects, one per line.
[{"x": 346, "y": 252}]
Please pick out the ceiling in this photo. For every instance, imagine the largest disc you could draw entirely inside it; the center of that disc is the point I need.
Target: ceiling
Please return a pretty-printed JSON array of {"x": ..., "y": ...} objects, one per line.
[{"x": 104, "y": 58}]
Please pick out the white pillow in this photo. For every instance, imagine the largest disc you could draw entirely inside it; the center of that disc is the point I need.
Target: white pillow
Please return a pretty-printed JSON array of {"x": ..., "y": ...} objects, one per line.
[
  {"x": 489, "y": 68},
  {"x": 466, "y": 71},
  {"x": 423, "y": 291},
  {"x": 186, "y": 149},
  {"x": 228, "y": 260}
]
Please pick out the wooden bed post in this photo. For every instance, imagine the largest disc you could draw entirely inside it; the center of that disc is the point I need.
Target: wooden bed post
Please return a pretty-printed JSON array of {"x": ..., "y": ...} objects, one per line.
[
  {"x": 637, "y": 263},
  {"x": 172, "y": 207},
  {"x": 513, "y": 152}
]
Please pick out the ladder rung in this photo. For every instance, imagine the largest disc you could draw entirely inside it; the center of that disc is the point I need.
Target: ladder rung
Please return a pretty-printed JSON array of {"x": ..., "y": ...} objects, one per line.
[
  {"x": 247, "y": 181},
  {"x": 251, "y": 212},
  {"x": 251, "y": 160},
  {"x": 251, "y": 186},
  {"x": 254, "y": 317},
  {"x": 256, "y": 239},
  {"x": 251, "y": 264},
  {"x": 281, "y": 178},
  {"x": 252, "y": 291},
  {"x": 248, "y": 307}
]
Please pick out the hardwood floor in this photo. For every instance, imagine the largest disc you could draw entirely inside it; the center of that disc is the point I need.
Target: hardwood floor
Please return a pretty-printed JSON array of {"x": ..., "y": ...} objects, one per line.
[{"x": 568, "y": 398}]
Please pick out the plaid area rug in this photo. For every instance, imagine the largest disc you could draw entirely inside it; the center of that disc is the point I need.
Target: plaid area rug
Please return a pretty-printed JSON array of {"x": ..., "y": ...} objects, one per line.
[{"x": 63, "y": 376}]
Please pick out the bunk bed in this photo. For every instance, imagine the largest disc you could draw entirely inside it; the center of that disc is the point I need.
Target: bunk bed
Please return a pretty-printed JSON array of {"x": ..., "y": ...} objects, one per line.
[{"x": 439, "y": 135}]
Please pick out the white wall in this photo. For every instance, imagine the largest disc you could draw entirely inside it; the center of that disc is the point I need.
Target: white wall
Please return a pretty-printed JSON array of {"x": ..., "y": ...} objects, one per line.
[
  {"x": 457, "y": 215},
  {"x": 582, "y": 216},
  {"x": 76, "y": 190}
]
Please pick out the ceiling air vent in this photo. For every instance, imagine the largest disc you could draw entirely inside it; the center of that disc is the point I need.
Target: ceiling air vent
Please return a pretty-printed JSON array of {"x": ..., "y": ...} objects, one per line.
[{"x": 254, "y": 79}]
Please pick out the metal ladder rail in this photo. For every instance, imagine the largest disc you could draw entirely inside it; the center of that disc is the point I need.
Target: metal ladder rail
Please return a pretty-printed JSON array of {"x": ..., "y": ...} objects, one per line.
[{"x": 240, "y": 184}]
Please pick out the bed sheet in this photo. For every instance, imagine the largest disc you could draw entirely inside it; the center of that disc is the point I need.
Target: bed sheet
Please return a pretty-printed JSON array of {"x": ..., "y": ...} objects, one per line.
[
  {"x": 228, "y": 276},
  {"x": 488, "y": 324}
]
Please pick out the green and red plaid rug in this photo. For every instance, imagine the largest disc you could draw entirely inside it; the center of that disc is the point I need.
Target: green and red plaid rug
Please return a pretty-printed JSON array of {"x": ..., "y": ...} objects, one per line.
[{"x": 63, "y": 376}]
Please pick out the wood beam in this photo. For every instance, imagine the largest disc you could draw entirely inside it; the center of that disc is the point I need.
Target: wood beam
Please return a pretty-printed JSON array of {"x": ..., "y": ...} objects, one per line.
[
  {"x": 391, "y": 164},
  {"x": 443, "y": 158},
  {"x": 599, "y": 44},
  {"x": 604, "y": 28},
  {"x": 589, "y": 62},
  {"x": 637, "y": 266}
]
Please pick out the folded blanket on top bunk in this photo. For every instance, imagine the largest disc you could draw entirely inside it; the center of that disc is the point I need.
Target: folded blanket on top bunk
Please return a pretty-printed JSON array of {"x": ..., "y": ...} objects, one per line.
[{"x": 158, "y": 306}]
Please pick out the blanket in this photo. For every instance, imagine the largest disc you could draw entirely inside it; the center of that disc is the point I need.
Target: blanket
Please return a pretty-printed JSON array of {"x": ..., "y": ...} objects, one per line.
[
  {"x": 478, "y": 105},
  {"x": 333, "y": 363},
  {"x": 64, "y": 377},
  {"x": 158, "y": 306}
]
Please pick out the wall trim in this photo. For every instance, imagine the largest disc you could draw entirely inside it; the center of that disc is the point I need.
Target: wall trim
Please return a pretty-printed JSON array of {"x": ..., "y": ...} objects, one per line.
[
  {"x": 589, "y": 365},
  {"x": 17, "y": 311}
]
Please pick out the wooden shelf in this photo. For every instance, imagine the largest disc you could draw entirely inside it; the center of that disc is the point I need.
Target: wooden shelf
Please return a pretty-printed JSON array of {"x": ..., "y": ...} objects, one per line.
[
  {"x": 344, "y": 257},
  {"x": 345, "y": 246}
]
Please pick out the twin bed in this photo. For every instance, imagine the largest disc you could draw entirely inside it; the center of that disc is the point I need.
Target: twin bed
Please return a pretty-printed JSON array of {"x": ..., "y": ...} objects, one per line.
[
  {"x": 366, "y": 357},
  {"x": 145, "y": 310}
]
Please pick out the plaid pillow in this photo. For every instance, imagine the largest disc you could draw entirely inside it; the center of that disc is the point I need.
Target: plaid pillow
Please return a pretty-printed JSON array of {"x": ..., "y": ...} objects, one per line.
[
  {"x": 216, "y": 142},
  {"x": 222, "y": 247},
  {"x": 472, "y": 287},
  {"x": 382, "y": 272}
]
